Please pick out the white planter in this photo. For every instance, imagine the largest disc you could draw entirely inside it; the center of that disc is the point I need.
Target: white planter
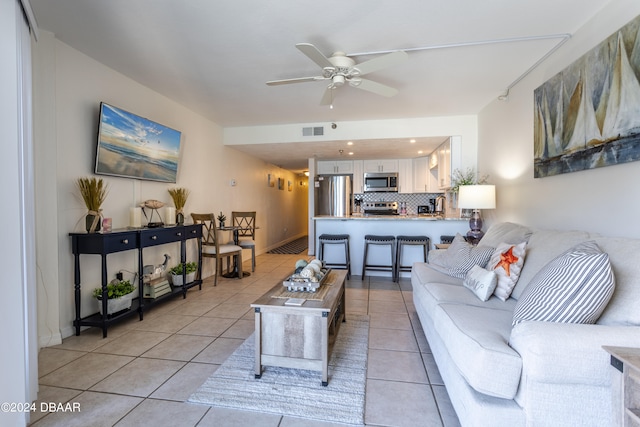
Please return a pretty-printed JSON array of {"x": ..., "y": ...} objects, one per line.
[
  {"x": 115, "y": 305},
  {"x": 176, "y": 279}
]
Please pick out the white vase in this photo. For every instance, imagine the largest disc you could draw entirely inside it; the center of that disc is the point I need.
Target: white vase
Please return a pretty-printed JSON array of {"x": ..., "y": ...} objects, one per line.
[
  {"x": 115, "y": 305},
  {"x": 176, "y": 279}
]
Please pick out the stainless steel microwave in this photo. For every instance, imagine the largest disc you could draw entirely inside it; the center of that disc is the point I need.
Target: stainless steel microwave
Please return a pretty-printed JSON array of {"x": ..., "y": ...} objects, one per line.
[{"x": 380, "y": 182}]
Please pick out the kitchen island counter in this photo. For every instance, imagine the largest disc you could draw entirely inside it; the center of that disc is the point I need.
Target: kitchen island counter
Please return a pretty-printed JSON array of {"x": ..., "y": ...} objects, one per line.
[
  {"x": 357, "y": 226},
  {"x": 370, "y": 217}
]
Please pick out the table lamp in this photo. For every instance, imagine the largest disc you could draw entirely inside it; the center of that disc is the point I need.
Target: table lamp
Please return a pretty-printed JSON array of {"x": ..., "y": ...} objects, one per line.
[{"x": 476, "y": 197}]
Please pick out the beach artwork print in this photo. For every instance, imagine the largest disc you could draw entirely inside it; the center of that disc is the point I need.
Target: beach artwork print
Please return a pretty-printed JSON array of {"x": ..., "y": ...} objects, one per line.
[
  {"x": 588, "y": 115},
  {"x": 134, "y": 147}
]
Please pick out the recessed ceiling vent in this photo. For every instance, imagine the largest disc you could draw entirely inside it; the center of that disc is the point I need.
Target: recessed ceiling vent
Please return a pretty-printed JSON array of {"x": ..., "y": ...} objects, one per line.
[{"x": 313, "y": 131}]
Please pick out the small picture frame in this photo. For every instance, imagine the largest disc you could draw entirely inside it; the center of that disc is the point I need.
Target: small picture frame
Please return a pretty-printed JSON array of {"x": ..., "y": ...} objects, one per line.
[
  {"x": 466, "y": 213},
  {"x": 280, "y": 183},
  {"x": 289, "y": 186},
  {"x": 270, "y": 180}
]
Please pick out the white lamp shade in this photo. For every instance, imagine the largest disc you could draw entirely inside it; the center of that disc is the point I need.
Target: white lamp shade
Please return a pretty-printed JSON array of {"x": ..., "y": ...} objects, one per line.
[{"x": 477, "y": 197}]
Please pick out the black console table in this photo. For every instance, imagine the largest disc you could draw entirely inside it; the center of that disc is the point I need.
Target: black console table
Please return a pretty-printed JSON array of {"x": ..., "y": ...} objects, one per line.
[{"x": 123, "y": 240}]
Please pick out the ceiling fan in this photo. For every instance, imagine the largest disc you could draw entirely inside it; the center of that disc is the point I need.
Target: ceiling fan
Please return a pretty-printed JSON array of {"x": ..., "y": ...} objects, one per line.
[{"x": 339, "y": 69}]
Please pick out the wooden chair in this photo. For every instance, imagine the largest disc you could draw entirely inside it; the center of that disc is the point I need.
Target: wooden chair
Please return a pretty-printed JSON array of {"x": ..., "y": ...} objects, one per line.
[
  {"x": 247, "y": 232},
  {"x": 211, "y": 247}
]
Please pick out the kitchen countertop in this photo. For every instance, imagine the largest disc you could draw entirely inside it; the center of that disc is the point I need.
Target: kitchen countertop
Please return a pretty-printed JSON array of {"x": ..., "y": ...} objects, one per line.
[{"x": 389, "y": 217}]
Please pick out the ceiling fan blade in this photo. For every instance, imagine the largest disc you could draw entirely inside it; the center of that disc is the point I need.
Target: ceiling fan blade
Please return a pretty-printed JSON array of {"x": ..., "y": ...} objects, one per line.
[
  {"x": 380, "y": 62},
  {"x": 373, "y": 87},
  {"x": 314, "y": 54},
  {"x": 327, "y": 97},
  {"x": 296, "y": 80}
]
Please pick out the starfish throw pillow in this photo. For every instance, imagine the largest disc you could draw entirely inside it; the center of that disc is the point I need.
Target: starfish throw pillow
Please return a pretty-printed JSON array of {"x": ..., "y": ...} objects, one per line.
[{"x": 507, "y": 261}]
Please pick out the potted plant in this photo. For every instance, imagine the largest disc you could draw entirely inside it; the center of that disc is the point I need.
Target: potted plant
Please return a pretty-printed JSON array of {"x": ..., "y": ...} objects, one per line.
[
  {"x": 179, "y": 196},
  {"x": 93, "y": 192},
  {"x": 221, "y": 219},
  {"x": 176, "y": 273},
  {"x": 119, "y": 296}
]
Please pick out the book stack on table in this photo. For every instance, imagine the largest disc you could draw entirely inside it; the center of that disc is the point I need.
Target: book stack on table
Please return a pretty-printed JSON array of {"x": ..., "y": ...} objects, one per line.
[{"x": 156, "y": 288}]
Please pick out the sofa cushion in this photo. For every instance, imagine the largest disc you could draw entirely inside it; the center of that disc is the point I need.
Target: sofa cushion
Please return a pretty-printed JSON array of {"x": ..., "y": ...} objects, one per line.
[
  {"x": 461, "y": 256},
  {"x": 439, "y": 287},
  {"x": 573, "y": 288},
  {"x": 507, "y": 261},
  {"x": 624, "y": 255},
  {"x": 477, "y": 340},
  {"x": 457, "y": 294},
  {"x": 437, "y": 256},
  {"x": 542, "y": 247},
  {"x": 481, "y": 282},
  {"x": 428, "y": 273},
  {"x": 508, "y": 232}
]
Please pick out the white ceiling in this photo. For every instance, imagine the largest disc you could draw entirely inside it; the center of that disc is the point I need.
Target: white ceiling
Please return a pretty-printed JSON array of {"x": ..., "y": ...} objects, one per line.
[{"x": 214, "y": 57}]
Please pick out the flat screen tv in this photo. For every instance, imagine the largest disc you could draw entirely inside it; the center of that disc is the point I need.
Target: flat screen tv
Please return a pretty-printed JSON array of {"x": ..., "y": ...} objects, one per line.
[{"x": 131, "y": 146}]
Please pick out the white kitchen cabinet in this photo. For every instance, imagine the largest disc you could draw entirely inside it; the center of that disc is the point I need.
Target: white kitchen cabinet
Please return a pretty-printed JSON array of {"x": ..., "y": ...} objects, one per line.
[
  {"x": 380, "y": 165},
  {"x": 420, "y": 170},
  {"x": 405, "y": 176},
  {"x": 358, "y": 177},
  {"x": 444, "y": 165},
  {"x": 448, "y": 155},
  {"x": 433, "y": 160},
  {"x": 425, "y": 178},
  {"x": 335, "y": 167}
]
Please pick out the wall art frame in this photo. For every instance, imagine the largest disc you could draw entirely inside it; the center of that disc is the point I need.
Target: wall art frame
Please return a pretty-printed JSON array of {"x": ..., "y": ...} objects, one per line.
[{"x": 588, "y": 115}]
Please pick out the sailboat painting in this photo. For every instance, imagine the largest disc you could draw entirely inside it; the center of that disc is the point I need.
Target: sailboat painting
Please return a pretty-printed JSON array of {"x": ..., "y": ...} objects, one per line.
[{"x": 588, "y": 115}]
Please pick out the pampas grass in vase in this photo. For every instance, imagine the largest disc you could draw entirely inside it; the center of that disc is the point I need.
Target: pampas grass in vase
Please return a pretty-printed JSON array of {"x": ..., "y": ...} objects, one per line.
[
  {"x": 94, "y": 192},
  {"x": 179, "y": 196}
]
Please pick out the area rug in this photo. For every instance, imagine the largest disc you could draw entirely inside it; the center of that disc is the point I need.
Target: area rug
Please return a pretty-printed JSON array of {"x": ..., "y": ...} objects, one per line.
[
  {"x": 293, "y": 247},
  {"x": 296, "y": 392}
]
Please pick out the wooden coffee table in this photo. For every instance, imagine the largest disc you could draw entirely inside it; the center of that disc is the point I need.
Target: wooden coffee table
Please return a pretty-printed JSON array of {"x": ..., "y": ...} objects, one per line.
[{"x": 299, "y": 337}]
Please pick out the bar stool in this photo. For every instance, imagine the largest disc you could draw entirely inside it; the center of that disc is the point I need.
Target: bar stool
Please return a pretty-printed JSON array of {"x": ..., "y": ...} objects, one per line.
[
  {"x": 371, "y": 239},
  {"x": 336, "y": 239},
  {"x": 413, "y": 241}
]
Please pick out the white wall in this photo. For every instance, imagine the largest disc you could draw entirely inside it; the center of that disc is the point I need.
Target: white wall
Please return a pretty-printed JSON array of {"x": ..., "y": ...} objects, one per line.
[
  {"x": 68, "y": 89},
  {"x": 604, "y": 200}
]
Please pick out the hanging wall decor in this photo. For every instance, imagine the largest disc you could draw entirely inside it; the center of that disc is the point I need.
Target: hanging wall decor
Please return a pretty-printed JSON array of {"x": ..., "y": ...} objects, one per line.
[{"x": 588, "y": 115}]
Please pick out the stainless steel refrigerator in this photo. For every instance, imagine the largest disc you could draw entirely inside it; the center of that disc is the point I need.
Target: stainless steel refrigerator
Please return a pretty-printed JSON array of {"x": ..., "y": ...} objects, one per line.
[{"x": 333, "y": 195}]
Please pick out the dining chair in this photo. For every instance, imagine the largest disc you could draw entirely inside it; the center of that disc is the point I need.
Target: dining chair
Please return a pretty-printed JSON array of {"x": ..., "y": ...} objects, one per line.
[
  {"x": 247, "y": 232},
  {"x": 211, "y": 247}
]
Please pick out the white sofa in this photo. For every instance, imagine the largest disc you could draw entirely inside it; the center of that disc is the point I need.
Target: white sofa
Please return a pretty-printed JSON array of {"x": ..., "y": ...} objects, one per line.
[{"x": 536, "y": 373}]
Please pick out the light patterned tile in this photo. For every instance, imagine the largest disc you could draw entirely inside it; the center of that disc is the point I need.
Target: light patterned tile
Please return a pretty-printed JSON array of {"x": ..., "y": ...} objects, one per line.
[
  {"x": 185, "y": 382},
  {"x": 218, "y": 351},
  {"x": 140, "y": 378},
  {"x": 50, "y": 359},
  {"x": 133, "y": 343},
  {"x": 179, "y": 347},
  {"x": 156, "y": 413},
  {"x": 96, "y": 410},
  {"x": 391, "y": 403},
  {"x": 85, "y": 371}
]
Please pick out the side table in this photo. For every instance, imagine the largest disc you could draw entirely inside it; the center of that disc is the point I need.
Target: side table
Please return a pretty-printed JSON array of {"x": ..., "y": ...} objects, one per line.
[{"x": 625, "y": 385}]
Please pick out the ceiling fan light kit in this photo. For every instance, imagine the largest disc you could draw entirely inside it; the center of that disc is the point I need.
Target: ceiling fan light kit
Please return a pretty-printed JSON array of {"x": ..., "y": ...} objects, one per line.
[{"x": 340, "y": 69}]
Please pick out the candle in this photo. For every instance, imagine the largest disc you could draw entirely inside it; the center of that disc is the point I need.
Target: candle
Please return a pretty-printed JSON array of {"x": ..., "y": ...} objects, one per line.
[
  {"x": 170, "y": 215},
  {"x": 135, "y": 217}
]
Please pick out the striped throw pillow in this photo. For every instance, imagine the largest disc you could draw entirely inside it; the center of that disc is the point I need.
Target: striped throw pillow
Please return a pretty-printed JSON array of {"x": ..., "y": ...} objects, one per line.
[
  {"x": 461, "y": 257},
  {"x": 575, "y": 287}
]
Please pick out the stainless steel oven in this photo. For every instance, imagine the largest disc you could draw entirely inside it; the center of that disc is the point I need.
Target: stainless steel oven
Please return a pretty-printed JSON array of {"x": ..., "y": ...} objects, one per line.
[{"x": 379, "y": 182}]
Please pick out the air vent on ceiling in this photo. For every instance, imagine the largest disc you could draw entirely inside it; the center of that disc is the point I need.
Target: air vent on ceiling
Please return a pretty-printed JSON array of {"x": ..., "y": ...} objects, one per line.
[{"x": 313, "y": 131}]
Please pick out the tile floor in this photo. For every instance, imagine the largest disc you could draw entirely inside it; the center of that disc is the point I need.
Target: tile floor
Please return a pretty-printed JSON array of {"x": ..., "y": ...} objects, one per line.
[{"x": 144, "y": 371}]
